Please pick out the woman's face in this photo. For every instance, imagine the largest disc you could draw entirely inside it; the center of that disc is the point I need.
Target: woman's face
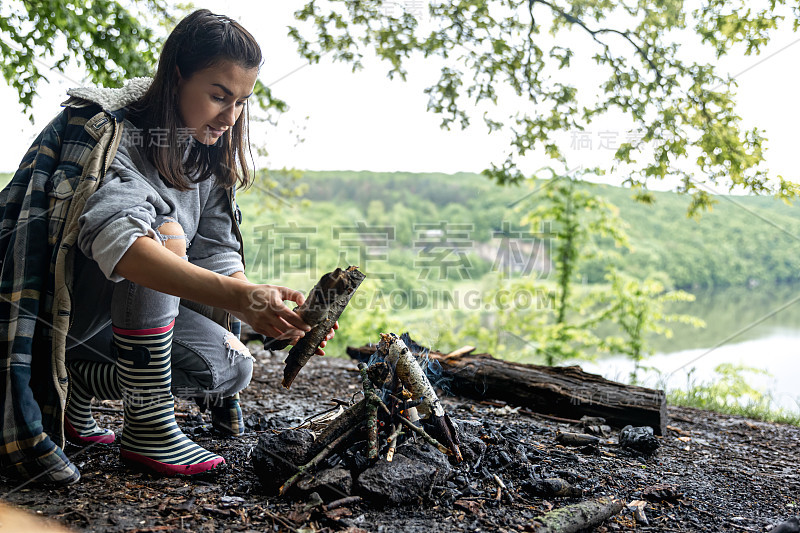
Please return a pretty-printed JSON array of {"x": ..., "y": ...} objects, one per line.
[{"x": 211, "y": 100}]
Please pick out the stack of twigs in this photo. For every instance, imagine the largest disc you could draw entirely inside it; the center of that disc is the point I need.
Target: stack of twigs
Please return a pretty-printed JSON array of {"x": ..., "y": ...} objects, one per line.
[{"x": 398, "y": 403}]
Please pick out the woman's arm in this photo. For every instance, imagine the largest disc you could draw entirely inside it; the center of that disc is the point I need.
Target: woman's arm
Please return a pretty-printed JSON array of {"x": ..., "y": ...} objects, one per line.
[
  {"x": 239, "y": 275},
  {"x": 148, "y": 263}
]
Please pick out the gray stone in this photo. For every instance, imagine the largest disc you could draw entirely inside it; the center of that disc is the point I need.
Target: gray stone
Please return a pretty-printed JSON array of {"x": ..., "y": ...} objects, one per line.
[
  {"x": 468, "y": 427},
  {"x": 426, "y": 454},
  {"x": 331, "y": 484},
  {"x": 277, "y": 456},
  {"x": 790, "y": 526},
  {"x": 403, "y": 481},
  {"x": 640, "y": 439}
]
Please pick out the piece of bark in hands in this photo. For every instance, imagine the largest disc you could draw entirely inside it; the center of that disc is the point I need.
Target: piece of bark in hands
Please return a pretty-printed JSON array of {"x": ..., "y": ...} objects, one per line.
[
  {"x": 315, "y": 309},
  {"x": 326, "y": 302}
]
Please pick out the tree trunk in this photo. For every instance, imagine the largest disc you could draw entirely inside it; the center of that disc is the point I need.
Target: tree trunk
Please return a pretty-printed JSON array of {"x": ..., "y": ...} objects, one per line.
[{"x": 566, "y": 392}]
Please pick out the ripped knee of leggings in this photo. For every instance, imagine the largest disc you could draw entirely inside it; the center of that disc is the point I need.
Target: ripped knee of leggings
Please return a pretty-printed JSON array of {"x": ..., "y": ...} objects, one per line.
[
  {"x": 235, "y": 348},
  {"x": 241, "y": 361},
  {"x": 171, "y": 236}
]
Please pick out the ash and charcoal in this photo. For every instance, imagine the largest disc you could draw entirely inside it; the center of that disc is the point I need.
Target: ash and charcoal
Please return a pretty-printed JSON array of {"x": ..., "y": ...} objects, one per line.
[
  {"x": 500, "y": 464},
  {"x": 392, "y": 446},
  {"x": 397, "y": 445}
]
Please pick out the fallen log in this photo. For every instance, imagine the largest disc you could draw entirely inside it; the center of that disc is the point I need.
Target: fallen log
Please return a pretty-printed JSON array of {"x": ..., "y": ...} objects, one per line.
[
  {"x": 577, "y": 517},
  {"x": 567, "y": 392}
]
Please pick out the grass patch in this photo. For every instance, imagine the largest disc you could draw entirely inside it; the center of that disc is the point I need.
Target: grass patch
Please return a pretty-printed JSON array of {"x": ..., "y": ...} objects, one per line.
[{"x": 731, "y": 394}]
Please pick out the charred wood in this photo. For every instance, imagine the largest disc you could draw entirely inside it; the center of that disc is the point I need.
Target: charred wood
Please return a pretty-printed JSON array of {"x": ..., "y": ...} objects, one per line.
[
  {"x": 576, "y": 439},
  {"x": 352, "y": 416},
  {"x": 551, "y": 487},
  {"x": 411, "y": 375}
]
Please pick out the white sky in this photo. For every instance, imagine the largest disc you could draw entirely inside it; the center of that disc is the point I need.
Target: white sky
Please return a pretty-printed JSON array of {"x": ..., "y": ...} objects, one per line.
[{"x": 364, "y": 121}]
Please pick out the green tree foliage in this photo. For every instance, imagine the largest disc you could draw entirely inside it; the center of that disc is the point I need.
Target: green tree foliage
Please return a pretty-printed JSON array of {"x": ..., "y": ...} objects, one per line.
[
  {"x": 743, "y": 241},
  {"x": 574, "y": 216},
  {"x": 633, "y": 308},
  {"x": 109, "y": 40},
  {"x": 526, "y": 52},
  {"x": 638, "y": 310}
]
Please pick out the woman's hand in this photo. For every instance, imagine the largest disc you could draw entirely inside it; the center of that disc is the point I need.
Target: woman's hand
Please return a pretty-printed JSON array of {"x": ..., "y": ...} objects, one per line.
[
  {"x": 266, "y": 302},
  {"x": 328, "y": 337},
  {"x": 152, "y": 265},
  {"x": 263, "y": 307}
]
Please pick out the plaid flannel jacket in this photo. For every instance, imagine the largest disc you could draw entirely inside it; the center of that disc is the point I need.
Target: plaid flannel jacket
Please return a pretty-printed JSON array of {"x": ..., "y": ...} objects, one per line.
[{"x": 39, "y": 211}]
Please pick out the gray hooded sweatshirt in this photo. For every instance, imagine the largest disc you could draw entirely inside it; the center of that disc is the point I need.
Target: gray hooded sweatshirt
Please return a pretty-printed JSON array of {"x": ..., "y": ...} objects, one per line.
[{"x": 133, "y": 201}]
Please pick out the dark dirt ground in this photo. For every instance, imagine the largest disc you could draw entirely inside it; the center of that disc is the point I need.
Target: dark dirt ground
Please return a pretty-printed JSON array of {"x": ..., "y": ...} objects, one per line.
[{"x": 724, "y": 473}]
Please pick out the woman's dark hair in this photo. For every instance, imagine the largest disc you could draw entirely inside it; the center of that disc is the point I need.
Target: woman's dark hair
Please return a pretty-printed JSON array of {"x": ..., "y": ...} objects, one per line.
[{"x": 199, "y": 41}]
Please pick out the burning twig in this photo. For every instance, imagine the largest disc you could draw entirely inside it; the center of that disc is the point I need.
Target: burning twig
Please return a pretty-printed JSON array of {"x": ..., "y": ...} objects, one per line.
[
  {"x": 407, "y": 369},
  {"x": 411, "y": 375},
  {"x": 419, "y": 431},
  {"x": 372, "y": 400},
  {"x": 408, "y": 391},
  {"x": 397, "y": 430},
  {"x": 326, "y": 302},
  {"x": 372, "y": 431}
]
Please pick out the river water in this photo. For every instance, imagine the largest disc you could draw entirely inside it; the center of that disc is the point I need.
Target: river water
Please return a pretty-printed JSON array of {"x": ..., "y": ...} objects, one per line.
[{"x": 757, "y": 328}]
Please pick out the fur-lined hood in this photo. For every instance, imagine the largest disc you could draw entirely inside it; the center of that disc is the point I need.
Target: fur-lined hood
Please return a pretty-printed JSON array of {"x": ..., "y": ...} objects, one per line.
[{"x": 111, "y": 100}]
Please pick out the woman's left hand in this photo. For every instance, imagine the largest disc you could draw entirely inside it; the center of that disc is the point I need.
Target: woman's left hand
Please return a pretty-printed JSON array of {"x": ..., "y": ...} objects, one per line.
[{"x": 328, "y": 337}]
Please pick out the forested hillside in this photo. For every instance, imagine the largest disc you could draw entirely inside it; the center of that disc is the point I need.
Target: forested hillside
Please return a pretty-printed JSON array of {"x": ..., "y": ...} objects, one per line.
[{"x": 744, "y": 240}]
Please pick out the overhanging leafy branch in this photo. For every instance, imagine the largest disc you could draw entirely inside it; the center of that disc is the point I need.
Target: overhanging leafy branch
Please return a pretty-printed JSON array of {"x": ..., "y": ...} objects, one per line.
[{"x": 495, "y": 56}]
